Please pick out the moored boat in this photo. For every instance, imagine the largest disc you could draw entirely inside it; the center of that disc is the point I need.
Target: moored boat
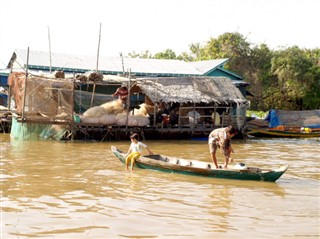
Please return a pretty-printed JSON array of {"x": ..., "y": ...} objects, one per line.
[
  {"x": 286, "y": 124},
  {"x": 266, "y": 132},
  {"x": 200, "y": 168}
]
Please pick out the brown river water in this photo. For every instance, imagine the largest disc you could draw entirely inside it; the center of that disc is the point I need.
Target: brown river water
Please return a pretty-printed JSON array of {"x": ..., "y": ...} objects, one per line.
[{"x": 80, "y": 190}]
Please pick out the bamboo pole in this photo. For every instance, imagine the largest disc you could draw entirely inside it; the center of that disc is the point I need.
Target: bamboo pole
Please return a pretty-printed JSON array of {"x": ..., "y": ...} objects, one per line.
[
  {"x": 9, "y": 92},
  {"x": 155, "y": 106},
  {"x": 194, "y": 116},
  {"x": 215, "y": 115},
  {"x": 128, "y": 99},
  {"x": 49, "y": 48},
  {"x": 122, "y": 63},
  {"x": 25, "y": 86},
  {"x": 97, "y": 67}
]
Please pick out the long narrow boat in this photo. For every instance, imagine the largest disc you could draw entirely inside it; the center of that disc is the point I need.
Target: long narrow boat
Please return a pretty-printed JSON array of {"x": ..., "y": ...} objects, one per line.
[
  {"x": 200, "y": 168},
  {"x": 265, "y": 132}
]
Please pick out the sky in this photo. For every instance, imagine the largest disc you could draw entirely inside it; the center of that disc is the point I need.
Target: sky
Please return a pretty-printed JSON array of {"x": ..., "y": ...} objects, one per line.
[{"x": 154, "y": 25}]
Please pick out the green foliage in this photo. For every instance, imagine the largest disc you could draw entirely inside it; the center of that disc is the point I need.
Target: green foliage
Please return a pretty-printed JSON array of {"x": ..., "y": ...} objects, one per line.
[
  {"x": 288, "y": 78},
  {"x": 298, "y": 78},
  {"x": 145, "y": 54},
  {"x": 167, "y": 54},
  {"x": 260, "y": 114}
]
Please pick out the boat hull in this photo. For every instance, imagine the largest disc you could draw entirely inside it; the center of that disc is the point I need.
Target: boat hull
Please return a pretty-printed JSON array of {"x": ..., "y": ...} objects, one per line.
[
  {"x": 281, "y": 134},
  {"x": 197, "y": 168}
]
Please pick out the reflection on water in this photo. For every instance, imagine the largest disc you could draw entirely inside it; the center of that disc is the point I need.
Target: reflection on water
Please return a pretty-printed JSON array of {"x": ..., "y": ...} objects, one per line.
[{"x": 80, "y": 190}]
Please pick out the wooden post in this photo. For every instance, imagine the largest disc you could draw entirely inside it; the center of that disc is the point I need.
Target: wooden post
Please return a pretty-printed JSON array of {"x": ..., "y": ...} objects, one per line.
[
  {"x": 155, "y": 106},
  {"x": 9, "y": 93},
  {"x": 92, "y": 96},
  {"x": 214, "y": 116},
  {"x": 72, "y": 115},
  {"x": 122, "y": 63},
  {"x": 128, "y": 100},
  {"x": 25, "y": 86},
  {"x": 97, "y": 67},
  {"x": 194, "y": 115},
  {"x": 49, "y": 48}
]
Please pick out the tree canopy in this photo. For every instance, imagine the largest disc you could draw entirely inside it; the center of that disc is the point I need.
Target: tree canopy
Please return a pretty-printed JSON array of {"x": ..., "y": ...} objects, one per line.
[{"x": 286, "y": 78}]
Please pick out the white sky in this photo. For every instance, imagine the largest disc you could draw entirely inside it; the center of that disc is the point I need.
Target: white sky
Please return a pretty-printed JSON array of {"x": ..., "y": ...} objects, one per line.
[{"x": 154, "y": 25}]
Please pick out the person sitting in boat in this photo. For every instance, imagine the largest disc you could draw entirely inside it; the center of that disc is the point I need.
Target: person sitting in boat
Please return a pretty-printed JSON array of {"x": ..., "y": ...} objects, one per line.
[
  {"x": 221, "y": 138},
  {"x": 135, "y": 150}
]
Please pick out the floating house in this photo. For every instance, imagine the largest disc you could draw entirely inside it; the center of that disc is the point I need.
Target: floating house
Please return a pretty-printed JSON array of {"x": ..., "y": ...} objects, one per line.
[
  {"x": 77, "y": 102},
  {"x": 46, "y": 107}
]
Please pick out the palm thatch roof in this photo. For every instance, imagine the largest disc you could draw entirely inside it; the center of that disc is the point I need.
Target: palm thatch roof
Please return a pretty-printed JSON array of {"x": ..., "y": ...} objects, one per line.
[{"x": 191, "y": 89}]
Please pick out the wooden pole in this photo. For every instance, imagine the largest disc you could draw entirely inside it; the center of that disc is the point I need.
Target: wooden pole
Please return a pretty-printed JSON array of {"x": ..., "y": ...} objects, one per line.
[
  {"x": 73, "y": 115},
  {"x": 155, "y": 106},
  {"x": 194, "y": 115},
  {"x": 122, "y": 63},
  {"x": 49, "y": 48},
  {"x": 25, "y": 86},
  {"x": 9, "y": 93},
  {"x": 97, "y": 67},
  {"x": 92, "y": 97},
  {"x": 128, "y": 100}
]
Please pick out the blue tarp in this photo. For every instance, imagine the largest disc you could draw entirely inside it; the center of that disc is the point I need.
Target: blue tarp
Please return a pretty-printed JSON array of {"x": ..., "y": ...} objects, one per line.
[
  {"x": 273, "y": 119},
  {"x": 303, "y": 118}
]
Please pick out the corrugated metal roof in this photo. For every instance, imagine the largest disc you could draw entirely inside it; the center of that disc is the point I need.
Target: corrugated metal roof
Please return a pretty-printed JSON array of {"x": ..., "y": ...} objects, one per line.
[
  {"x": 209, "y": 65},
  {"x": 191, "y": 89},
  {"x": 41, "y": 60}
]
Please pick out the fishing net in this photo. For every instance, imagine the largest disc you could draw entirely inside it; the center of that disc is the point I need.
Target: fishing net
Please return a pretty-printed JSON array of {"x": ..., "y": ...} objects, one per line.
[{"x": 43, "y": 106}]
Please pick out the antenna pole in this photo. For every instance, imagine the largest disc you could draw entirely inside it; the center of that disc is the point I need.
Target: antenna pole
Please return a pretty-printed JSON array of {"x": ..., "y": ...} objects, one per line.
[
  {"x": 49, "y": 48},
  {"x": 122, "y": 62},
  {"x": 25, "y": 87},
  {"x": 97, "y": 67},
  {"x": 98, "y": 48}
]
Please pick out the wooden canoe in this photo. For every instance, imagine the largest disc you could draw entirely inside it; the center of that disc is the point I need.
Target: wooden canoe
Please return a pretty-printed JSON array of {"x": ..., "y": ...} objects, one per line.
[{"x": 200, "y": 168}]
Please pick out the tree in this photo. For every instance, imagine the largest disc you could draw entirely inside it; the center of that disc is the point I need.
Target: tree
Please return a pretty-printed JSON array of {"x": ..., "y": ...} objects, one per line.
[
  {"x": 288, "y": 78},
  {"x": 292, "y": 68},
  {"x": 143, "y": 54},
  {"x": 166, "y": 54}
]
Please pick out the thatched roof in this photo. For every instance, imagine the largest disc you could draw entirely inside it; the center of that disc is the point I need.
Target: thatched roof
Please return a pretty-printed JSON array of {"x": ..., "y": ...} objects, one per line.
[{"x": 191, "y": 89}]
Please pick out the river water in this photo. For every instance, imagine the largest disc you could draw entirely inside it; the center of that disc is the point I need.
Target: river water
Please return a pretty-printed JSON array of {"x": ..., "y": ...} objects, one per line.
[{"x": 80, "y": 190}]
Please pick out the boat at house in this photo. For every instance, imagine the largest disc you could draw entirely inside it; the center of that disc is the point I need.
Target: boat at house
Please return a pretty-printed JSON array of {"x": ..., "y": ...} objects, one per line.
[
  {"x": 199, "y": 168},
  {"x": 287, "y": 124}
]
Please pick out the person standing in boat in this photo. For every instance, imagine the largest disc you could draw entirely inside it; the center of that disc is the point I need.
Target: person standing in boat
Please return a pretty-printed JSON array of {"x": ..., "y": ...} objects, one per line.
[
  {"x": 135, "y": 150},
  {"x": 221, "y": 138}
]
